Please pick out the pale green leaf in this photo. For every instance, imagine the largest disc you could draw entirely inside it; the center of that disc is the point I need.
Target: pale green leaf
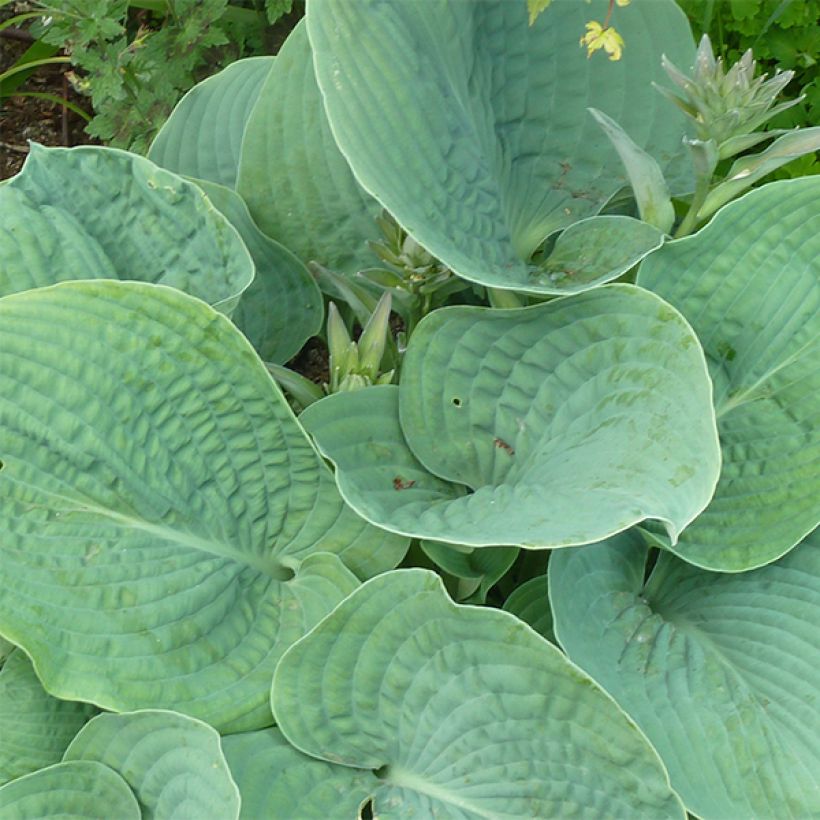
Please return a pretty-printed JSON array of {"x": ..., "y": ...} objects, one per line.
[
  {"x": 645, "y": 175},
  {"x": 143, "y": 435},
  {"x": 748, "y": 283},
  {"x": 100, "y": 213},
  {"x": 478, "y": 139},
  {"x": 595, "y": 251},
  {"x": 297, "y": 184},
  {"x": 203, "y": 136},
  {"x": 719, "y": 670},
  {"x": 555, "y": 425},
  {"x": 477, "y": 570},
  {"x": 461, "y": 712},
  {"x": 79, "y": 790},
  {"x": 35, "y": 728},
  {"x": 282, "y": 308},
  {"x": 277, "y": 780},
  {"x": 173, "y": 764},
  {"x": 749, "y": 169}
]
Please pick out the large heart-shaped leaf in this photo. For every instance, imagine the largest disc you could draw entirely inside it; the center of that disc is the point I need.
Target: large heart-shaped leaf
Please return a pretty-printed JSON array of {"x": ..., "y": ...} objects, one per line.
[
  {"x": 297, "y": 184},
  {"x": 35, "y": 728},
  {"x": 552, "y": 426},
  {"x": 203, "y": 136},
  {"x": 749, "y": 283},
  {"x": 478, "y": 138},
  {"x": 719, "y": 670},
  {"x": 157, "y": 494},
  {"x": 91, "y": 212},
  {"x": 461, "y": 712},
  {"x": 277, "y": 780},
  {"x": 173, "y": 764},
  {"x": 79, "y": 790},
  {"x": 282, "y": 308}
]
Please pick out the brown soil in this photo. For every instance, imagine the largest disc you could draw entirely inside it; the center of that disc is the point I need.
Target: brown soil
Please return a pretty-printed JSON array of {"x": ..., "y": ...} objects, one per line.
[{"x": 27, "y": 118}]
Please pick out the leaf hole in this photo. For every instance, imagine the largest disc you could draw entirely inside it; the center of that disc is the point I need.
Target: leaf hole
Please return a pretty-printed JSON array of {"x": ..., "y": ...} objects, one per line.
[
  {"x": 456, "y": 401},
  {"x": 383, "y": 772}
]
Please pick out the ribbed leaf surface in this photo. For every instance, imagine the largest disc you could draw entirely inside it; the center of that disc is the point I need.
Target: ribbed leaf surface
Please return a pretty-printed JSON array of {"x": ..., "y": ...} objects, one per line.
[
  {"x": 749, "y": 283},
  {"x": 297, "y": 184},
  {"x": 35, "y": 728},
  {"x": 277, "y": 780},
  {"x": 79, "y": 790},
  {"x": 100, "y": 213},
  {"x": 462, "y": 712},
  {"x": 156, "y": 495},
  {"x": 547, "y": 426},
  {"x": 472, "y": 127},
  {"x": 203, "y": 136},
  {"x": 719, "y": 670},
  {"x": 173, "y": 764},
  {"x": 282, "y": 308}
]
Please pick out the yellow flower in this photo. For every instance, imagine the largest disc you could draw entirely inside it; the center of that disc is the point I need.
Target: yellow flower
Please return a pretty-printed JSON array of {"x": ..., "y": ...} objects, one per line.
[
  {"x": 622, "y": 2},
  {"x": 606, "y": 38}
]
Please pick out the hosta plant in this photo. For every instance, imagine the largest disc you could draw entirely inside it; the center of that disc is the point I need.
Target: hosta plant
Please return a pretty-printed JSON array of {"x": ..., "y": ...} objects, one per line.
[{"x": 548, "y": 548}]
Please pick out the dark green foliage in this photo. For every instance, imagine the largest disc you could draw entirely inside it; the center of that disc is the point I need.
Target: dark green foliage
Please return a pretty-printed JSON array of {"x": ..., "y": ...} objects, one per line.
[
  {"x": 783, "y": 35},
  {"x": 135, "y": 60}
]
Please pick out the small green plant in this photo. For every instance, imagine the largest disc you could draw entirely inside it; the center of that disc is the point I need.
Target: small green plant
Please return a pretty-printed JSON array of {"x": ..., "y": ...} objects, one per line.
[
  {"x": 136, "y": 59},
  {"x": 557, "y": 556},
  {"x": 784, "y": 36}
]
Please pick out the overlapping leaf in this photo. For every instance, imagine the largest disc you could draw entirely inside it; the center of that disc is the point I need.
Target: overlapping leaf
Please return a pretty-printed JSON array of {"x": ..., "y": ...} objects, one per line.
[
  {"x": 476, "y": 570},
  {"x": 719, "y": 670},
  {"x": 173, "y": 764},
  {"x": 203, "y": 136},
  {"x": 282, "y": 308},
  {"x": 97, "y": 213},
  {"x": 478, "y": 138},
  {"x": 79, "y": 790},
  {"x": 749, "y": 283},
  {"x": 277, "y": 780},
  {"x": 157, "y": 495},
  {"x": 547, "y": 426},
  {"x": 459, "y": 711},
  {"x": 530, "y": 603},
  {"x": 35, "y": 728},
  {"x": 297, "y": 184}
]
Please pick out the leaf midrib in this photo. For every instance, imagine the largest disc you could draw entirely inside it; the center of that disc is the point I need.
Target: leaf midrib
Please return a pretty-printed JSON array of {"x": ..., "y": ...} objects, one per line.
[{"x": 270, "y": 567}]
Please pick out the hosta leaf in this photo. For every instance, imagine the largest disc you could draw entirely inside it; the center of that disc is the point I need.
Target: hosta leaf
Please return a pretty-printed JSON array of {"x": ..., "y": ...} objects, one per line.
[
  {"x": 596, "y": 250},
  {"x": 554, "y": 425},
  {"x": 80, "y": 790},
  {"x": 478, "y": 140},
  {"x": 476, "y": 569},
  {"x": 719, "y": 670},
  {"x": 35, "y": 728},
  {"x": 530, "y": 603},
  {"x": 748, "y": 282},
  {"x": 282, "y": 308},
  {"x": 174, "y": 764},
  {"x": 203, "y": 136},
  {"x": 156, "y": 495},
  {"x": 91, "y": 212},
  {"x": 645, "y": 176},
  {"x": 461, "y": 712},
  {"x": 277, "y": 780},
  {"x": 297, "y": 184}
]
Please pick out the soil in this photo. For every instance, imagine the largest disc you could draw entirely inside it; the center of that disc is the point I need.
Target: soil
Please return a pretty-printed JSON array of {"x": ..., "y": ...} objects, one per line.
[{"x": 28, "y": 118}]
